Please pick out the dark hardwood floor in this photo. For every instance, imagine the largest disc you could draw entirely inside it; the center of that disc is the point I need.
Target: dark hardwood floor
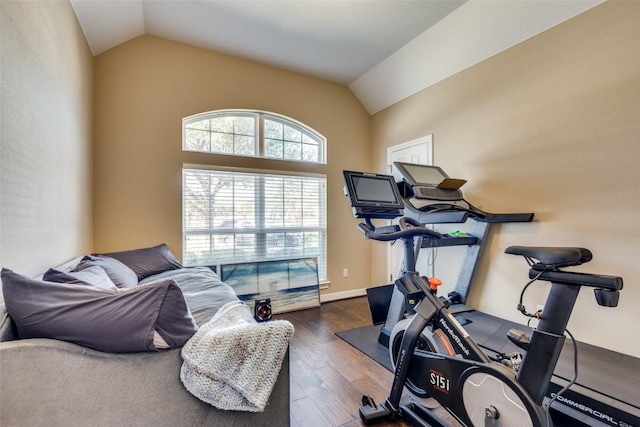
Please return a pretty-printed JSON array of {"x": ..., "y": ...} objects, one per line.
[{"x": 329, "y": 376}]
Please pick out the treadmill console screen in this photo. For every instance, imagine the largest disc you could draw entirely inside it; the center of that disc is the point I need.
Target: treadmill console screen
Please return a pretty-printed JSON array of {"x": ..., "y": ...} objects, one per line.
[
  {"x": 430, "y": 182},
  {"x": 421, "y": 174}
]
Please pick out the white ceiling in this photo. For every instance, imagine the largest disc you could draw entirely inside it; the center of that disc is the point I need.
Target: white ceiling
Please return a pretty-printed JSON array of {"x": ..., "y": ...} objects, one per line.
[{"x": 385, "y": 50}]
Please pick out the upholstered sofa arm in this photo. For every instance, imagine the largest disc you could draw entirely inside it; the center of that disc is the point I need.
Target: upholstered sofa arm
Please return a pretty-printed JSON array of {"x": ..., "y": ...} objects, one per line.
[{"x": 55, "y": 383}]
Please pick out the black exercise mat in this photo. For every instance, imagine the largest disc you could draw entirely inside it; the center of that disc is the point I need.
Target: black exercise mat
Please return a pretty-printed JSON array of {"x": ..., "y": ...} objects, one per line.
[
  {"x": 484, "y": 331},
  {"x": 365, "y": 339}
]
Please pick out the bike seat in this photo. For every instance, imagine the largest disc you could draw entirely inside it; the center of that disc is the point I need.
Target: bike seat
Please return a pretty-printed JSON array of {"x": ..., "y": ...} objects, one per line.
[{"x": 552, "y": 257}]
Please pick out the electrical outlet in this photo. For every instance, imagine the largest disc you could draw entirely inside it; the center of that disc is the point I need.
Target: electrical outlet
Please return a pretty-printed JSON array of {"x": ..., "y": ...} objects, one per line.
[{"x": 345, "y": 272}]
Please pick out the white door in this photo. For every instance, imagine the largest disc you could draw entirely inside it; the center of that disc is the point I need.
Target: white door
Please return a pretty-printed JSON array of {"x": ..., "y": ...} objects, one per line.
[{"x": 419, "y": 151}]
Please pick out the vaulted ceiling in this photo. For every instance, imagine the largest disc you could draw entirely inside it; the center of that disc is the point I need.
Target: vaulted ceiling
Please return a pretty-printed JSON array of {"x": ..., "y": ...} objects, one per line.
[{"x": 384, "y": 50}]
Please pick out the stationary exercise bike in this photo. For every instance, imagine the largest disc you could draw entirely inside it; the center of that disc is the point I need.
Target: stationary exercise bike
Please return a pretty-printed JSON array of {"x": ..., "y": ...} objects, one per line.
[{"x": 474, "y": 389}]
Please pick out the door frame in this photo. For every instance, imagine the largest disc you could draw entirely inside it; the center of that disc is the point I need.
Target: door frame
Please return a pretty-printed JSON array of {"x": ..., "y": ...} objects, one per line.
[{"x": 427, "y": 140}]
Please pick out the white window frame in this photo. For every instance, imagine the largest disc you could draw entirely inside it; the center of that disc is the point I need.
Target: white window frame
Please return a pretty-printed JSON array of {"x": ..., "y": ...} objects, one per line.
[{"x": 259, "y": 136}]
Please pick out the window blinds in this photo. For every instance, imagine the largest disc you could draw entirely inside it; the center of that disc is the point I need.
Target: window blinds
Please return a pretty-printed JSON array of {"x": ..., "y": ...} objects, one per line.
[{"x": 241, "y": 216}]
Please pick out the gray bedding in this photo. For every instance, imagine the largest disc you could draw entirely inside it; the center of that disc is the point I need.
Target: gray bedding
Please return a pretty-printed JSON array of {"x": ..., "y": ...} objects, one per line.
[{"x": 203, "y": 291}]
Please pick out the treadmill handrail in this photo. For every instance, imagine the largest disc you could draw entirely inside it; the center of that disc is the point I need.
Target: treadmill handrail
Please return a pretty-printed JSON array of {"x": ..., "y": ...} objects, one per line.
[{"x": 448, "y": 212}]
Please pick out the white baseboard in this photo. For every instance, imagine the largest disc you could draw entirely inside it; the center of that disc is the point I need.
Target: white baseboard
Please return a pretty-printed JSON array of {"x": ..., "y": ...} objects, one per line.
[{"x": 335, "y": 296}]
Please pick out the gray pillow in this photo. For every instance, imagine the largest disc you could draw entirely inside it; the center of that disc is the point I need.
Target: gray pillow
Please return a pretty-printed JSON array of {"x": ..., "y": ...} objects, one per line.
[
  {"x": 120, "y": 274},
  {"x": 146, "y": 262},
  {"x": 89, "y": 276},
  {"x": 107, "y": 320}
]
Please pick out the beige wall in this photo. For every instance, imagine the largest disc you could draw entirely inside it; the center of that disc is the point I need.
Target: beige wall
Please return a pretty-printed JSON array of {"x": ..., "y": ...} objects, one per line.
[
  {"x": 551, "y": 126},
  {"x": 45, "y": 128},
  {"x": 144, "y": 88}
]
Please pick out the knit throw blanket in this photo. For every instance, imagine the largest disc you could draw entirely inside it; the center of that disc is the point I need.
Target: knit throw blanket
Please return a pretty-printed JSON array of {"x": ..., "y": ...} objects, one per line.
[{"x": 232, "y": 362}]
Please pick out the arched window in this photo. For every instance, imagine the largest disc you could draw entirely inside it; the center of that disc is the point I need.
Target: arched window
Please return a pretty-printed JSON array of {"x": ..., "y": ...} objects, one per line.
[
  {"x": 233, "y": 215},
  {"x": 252, "y": 133}
]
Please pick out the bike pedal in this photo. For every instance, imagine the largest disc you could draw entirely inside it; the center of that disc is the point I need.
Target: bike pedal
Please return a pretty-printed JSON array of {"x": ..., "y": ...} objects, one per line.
[
  {"x": 519, "y": 338},
  {"x": 368, "y": 401},
  {"x": 370, "y": 412}
]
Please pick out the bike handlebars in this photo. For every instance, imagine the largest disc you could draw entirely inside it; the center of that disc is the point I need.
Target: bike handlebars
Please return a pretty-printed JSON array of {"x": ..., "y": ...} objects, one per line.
[
  {"x": 546, "y": 262},
  {"x": 602, "y": 281},
  {"x": 409, "y": 227}
]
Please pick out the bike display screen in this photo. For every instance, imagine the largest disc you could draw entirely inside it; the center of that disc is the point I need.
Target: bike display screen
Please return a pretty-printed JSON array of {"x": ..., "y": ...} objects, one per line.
[
  {"x": 369, "y": 189},
  {"x": 373, "y": 195}
]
